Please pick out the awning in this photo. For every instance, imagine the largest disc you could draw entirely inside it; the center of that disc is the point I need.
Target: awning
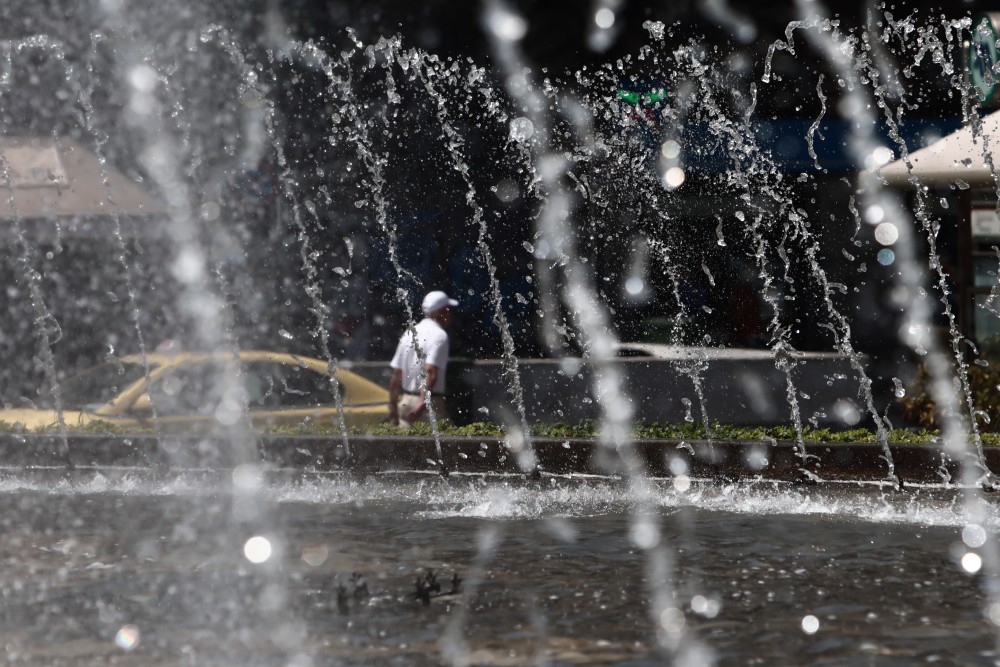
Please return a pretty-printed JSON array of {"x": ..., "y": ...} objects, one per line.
[
  {"x": 958, "y": 156},
  {"x": 48, "y": 179}
]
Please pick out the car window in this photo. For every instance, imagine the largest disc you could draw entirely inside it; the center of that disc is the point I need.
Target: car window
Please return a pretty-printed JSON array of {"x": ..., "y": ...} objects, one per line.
[
  {"x": 95, "y": 386},
  {"x": 194, "y": 389},
  {"x": 276, "y": 385}
]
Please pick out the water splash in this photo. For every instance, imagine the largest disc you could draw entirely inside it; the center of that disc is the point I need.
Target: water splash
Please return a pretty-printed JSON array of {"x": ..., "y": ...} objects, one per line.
[{"x": 778, "y": 233}]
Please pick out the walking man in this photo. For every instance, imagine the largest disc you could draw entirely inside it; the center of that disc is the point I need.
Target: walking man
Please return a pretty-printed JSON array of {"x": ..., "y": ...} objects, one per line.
[{"x": 421, "y": 352}]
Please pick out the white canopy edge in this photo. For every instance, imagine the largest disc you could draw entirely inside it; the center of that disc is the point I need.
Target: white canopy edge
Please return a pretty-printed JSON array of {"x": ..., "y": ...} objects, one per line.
[
  {"x": 959, "y": 156},
  {"x": 50, "y": 180}
]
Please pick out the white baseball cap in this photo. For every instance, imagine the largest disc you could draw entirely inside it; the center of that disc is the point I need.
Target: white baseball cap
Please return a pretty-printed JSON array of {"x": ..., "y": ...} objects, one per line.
[{"x": 435, "y": 301}]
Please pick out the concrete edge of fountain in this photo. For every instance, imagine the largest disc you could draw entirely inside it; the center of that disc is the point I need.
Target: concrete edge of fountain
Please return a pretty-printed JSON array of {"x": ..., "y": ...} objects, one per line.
[{"x": 719, "y": 459}]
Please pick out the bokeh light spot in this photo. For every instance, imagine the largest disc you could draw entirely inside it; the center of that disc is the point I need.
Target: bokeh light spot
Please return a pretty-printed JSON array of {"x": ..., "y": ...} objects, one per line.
[
  {"x": 673, "y": 177},
  {"x": 874, "y": 214},
  {"x": 879, "y": 157},
  {"x": 634, "y": 285},
  {"x": 257, "y": 549},
  {"x": 886, "y": 233},
  {"x": 972, "y": 562},
  {"x": 143, "y": 78},
  {"x": 704, "y": 606},
  {"x": 847, "y": 412},
  {"x": 682, "y": 483},
  {"x": 505, "y": 24},
  {"x": 127, "y": 637},
  {"x": 974, "y": 535},
  {"x": 670, "y": 149},
  {"x": 672, "y": 620},
  {"x": 645, "y": 535},
  {"x": 604, "y": 18},
  {"x": 810, "y": 624}
]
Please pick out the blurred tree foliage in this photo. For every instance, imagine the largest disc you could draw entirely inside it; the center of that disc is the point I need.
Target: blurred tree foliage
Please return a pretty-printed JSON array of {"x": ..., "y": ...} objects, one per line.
[{"x": 919, "y": 406}]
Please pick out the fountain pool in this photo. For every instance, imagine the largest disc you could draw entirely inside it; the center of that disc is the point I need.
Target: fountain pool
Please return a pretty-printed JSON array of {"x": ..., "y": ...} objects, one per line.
[
  {"x": 117, "y": 570},
  {"x": 302, "y": 193}
]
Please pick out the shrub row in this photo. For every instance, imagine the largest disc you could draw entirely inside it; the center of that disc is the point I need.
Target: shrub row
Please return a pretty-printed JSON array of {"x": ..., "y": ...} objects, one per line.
[{"x": 587, "y": 429}]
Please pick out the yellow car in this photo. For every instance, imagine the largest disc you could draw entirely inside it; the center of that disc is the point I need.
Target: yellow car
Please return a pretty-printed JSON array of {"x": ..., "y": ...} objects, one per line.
[{"x": 204, "y": 390}]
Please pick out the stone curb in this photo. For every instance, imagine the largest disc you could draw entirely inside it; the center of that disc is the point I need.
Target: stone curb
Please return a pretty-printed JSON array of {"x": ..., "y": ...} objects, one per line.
[{"x": 727, "y": 459}]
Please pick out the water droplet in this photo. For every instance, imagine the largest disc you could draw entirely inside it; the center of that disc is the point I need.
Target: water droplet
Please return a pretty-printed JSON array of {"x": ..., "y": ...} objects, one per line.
[
  {"x": 521, "y": 129},
  {"x": 285, "y": 334},
  {"x": 962, "y": 185},
  {"x": 7, "y": 71},
  {"x": 810, "y": 624},
  {"x": 656, "y": 29},
  {"x": 711, "y": 278},
  {"x": 898, "y": 392}
]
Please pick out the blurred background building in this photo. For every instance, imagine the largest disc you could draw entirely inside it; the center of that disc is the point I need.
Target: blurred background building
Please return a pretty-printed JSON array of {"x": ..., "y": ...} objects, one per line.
[{"x": 799, "y": 125}]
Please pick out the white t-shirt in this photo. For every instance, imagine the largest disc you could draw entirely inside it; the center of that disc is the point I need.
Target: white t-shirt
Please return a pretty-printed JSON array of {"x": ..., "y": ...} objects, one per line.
[{"x": 433, "y": 342}]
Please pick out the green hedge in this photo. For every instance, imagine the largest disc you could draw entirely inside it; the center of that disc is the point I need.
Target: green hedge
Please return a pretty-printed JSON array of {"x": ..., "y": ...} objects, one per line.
[{"x": 587, "y": 429}]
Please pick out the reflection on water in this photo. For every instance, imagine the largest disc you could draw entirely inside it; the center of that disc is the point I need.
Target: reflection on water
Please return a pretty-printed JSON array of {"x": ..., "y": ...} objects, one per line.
[{"x": 126, "y": 568}]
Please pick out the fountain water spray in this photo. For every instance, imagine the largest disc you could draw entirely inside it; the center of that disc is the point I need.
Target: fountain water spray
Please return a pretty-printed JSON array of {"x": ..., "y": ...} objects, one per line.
[
  {"x": 916, "y": 332},
  {"x": 506, "y": 28}
]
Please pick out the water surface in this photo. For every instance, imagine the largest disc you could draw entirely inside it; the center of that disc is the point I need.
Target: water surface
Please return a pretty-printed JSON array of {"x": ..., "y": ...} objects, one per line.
[{"x": 123, "y": 568}]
